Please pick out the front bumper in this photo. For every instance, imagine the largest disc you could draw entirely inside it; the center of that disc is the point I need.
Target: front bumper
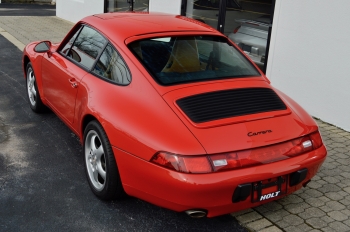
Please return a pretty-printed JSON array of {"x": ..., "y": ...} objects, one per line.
[{"x": 212, "y": 192}]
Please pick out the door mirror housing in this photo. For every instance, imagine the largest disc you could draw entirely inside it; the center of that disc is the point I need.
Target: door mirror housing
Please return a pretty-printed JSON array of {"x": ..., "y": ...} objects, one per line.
[{"x": 42, "y": 47}]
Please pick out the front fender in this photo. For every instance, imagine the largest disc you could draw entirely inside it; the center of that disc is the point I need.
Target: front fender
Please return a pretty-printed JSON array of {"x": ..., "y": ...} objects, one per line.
[{"x": 36, "y": 59}]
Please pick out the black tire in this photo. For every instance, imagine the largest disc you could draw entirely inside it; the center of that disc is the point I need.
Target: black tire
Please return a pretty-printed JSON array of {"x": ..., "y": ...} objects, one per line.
[
  {"x": 32, "y": 91},
  {"x": 100, "y": 165}
]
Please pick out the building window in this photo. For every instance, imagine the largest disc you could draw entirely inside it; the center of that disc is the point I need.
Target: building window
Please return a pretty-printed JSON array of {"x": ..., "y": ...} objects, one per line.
[
  {"x": 126, "y": 5},
  {"x": 247, "y": 23}
]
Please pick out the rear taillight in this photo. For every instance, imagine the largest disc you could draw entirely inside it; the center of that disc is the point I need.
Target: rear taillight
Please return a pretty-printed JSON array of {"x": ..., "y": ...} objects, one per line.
[
  {"x": 239, "y": 159},
  {"x": 236, "y": 29},
  {"x": 187, "y": 164},
  {"x": 316, "y": 140}
]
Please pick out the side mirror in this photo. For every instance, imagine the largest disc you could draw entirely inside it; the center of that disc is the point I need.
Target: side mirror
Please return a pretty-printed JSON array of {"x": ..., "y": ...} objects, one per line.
[{"x": 42, "y": 47}]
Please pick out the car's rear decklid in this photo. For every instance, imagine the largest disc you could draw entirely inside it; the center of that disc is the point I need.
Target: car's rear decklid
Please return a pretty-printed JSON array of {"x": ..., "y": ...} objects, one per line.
[{"x": 237, "y": 115}]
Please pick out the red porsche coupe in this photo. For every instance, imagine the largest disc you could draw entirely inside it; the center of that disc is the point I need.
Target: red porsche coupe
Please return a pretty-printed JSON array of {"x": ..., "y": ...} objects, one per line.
[{"x": 170, "y": 111}]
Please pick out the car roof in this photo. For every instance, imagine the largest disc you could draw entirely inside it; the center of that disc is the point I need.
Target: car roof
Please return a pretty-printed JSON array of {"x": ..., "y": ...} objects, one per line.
[{"x": 120, "y": 26}]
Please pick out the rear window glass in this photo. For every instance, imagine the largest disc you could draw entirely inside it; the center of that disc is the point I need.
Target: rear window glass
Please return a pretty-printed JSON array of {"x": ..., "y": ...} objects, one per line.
[{"x": 174, "y": 60}]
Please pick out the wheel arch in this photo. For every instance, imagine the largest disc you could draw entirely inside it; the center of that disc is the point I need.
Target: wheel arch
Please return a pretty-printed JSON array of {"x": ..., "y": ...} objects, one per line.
[
  {"x": 112, "y": 186},
  {"x": 26, "y": 60},
  {"x": 35, "y": 62},
  {"x": 84, "y": 122}
]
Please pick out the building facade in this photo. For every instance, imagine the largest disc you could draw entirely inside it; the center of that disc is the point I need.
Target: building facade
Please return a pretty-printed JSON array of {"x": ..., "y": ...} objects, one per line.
[{"x": 302, "y": 46}]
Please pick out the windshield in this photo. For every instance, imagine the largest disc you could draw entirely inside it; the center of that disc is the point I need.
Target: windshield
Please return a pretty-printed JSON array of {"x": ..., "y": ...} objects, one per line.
[{"x": 174, "y": 60}]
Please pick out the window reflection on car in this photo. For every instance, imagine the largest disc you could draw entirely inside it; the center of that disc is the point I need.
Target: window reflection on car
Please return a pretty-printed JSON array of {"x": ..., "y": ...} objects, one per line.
[
  {"x": 86, "y": 47},
  {"x": 111, "y": 66}
]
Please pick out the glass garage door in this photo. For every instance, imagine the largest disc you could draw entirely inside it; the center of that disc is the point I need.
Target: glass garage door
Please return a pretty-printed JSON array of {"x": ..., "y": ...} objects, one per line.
[
  {"x": 204, "y": 11},
  {"x": 248, "y": 26},
  {"x": 246, "y": 22}
]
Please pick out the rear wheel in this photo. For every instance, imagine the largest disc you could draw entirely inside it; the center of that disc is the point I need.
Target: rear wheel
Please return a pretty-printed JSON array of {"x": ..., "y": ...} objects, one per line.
[
  {"x": 100, "y": 165},
  {"x": 32, "y": 91}
]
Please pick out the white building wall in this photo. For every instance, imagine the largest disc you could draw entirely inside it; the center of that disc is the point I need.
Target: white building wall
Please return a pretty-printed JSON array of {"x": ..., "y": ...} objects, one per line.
[
  {"x": 309, "y": 56},
  {"x": 165, "y": 6},
  {"x": 74, "y": 10}
]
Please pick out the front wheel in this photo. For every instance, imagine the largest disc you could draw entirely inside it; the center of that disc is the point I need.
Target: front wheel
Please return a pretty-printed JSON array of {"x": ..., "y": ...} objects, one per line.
[
  {"x": 100, "y": 165},
  {"x": 32, "y": 91}
]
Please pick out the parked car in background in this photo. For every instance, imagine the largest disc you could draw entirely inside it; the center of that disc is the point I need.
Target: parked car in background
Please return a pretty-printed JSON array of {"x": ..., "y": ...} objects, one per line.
[
  {"x": 251, "y": 37},
  {"x": 171, "y": 111}
]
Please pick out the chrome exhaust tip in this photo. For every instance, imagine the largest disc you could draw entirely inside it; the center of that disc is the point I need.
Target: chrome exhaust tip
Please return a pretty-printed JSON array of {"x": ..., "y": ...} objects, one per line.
[{"x": 196, "y": 213}]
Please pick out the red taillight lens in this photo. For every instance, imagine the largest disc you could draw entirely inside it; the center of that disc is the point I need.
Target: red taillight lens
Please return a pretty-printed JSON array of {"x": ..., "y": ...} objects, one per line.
[
  {"x": 300, "y": 146},
  {"x": 187, "y": 164},
  {"x": 236, "y": 29},
  {"x": 316, "y": 139},
  {"x": 240, "y": 159},
  {"x": 198, "y": 164},
  {"x": 169, "y": 161}
]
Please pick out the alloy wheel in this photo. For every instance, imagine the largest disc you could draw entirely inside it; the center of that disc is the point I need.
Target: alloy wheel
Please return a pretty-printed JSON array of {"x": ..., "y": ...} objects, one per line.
[{"x": 95, "y": 160}]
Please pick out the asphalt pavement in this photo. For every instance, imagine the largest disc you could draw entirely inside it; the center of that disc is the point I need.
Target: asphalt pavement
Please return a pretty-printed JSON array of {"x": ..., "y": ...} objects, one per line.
[{"x": 15, "y": 9}]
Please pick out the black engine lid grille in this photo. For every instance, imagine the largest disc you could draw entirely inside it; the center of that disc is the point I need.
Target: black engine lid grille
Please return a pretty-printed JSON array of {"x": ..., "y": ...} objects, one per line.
[{"x": 230, "y": 103}]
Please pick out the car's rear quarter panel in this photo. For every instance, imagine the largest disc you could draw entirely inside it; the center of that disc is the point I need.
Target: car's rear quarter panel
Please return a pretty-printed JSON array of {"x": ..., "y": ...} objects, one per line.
[{"x": 135, "y": 117}]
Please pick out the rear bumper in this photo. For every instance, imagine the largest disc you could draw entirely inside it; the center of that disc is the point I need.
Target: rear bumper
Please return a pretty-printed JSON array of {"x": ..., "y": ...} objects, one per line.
[{"x": 212, "y": 192}]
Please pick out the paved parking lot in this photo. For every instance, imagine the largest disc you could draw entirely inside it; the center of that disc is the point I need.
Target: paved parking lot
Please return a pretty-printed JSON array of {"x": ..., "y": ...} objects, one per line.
[{"x": 324, "y": 205}]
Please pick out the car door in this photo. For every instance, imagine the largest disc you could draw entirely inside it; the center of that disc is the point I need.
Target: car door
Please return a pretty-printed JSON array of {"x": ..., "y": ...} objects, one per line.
[{"x": 62, "y": 71}]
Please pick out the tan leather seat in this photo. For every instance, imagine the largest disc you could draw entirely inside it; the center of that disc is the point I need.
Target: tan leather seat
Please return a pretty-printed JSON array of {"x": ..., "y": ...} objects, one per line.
[{"x": 184, "y": 56}]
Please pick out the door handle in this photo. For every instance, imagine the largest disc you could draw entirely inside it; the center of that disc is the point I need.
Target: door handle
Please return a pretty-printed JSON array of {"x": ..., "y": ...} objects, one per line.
[{"x": 73, "y": 83}]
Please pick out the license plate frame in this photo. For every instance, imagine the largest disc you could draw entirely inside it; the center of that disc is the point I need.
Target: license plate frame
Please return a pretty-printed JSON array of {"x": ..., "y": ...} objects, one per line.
[{"x": 270, "y": 188}]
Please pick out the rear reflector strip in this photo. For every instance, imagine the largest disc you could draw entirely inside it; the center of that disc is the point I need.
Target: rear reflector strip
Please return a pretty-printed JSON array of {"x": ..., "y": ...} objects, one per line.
[{"x": 238, "y": 159}]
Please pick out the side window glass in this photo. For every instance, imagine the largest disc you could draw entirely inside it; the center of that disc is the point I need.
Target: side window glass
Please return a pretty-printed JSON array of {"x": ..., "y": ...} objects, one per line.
[
  {"x": 87, "y": 47},
  {"x": 111, "y": 66},
  {"x": 69, "y": 43}
]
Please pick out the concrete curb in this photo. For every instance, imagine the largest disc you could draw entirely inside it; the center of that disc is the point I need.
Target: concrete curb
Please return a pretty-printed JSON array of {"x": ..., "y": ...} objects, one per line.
[{"x": 12, "y": 39}]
